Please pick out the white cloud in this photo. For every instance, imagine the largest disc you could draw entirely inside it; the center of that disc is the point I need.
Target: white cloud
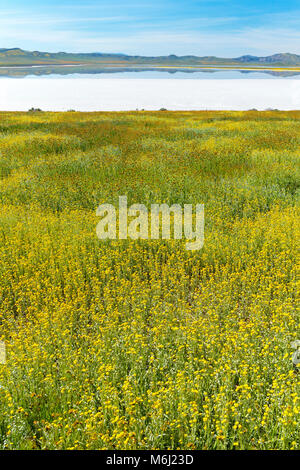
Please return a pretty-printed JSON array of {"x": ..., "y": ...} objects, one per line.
[
  {"x": 222, "y": 36},
  {"x": 45, "y": 20},
  {"x": 255, "y": 41}
]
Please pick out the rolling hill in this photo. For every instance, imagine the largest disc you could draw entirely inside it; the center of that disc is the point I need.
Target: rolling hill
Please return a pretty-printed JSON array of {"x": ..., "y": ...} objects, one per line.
[{"x": 19, "y": 57}]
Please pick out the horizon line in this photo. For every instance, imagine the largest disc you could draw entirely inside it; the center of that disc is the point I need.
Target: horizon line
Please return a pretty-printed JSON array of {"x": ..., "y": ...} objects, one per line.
[{"x": 140, "y": 55}]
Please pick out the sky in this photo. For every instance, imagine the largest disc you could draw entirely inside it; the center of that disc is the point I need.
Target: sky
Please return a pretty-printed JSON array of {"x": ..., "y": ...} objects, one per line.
[{"x": 152, "y": 27}]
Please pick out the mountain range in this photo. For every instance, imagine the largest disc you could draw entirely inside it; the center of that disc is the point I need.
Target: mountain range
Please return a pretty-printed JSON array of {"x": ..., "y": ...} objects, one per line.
[{"x": 18, "y": 57}]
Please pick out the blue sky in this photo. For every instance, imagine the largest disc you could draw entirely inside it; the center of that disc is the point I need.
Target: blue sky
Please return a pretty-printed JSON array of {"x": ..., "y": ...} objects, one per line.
[{"x": 152, "y": 27}]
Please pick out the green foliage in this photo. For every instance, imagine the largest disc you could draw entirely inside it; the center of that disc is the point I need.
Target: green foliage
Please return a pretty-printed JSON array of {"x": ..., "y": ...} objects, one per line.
[{"x": 142, "y": 344}]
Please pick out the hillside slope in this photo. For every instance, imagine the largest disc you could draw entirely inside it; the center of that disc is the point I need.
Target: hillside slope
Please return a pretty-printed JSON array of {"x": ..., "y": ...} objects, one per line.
[{"x": 17, "y": 56}]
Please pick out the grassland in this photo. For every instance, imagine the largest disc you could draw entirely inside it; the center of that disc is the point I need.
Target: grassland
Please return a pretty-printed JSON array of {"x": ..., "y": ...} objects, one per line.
[{"x": 142, "y": 344}]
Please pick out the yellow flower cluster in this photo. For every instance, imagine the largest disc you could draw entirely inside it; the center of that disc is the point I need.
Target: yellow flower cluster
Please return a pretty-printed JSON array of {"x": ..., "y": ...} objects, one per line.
[{"x": 142, "y": 344}]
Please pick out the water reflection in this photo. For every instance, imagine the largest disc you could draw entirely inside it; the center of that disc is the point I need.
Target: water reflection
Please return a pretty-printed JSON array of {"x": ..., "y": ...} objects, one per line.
[{"x": 81, "y": 71}]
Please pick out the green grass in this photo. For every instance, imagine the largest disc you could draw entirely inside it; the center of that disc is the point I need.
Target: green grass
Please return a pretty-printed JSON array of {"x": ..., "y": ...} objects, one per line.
[{"x": 142, "y": 344}]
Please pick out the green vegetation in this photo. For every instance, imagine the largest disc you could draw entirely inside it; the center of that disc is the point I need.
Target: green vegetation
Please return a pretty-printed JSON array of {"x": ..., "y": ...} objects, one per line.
[{"x": 143, "y": 344}]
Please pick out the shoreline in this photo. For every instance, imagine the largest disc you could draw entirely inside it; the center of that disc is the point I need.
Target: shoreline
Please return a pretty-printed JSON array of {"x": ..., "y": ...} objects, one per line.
[{"x": 158, "y": 66}]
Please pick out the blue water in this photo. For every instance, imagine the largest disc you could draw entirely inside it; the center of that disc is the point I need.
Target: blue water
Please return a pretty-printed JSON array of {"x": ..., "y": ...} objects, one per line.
[{"x": 139, "y": 72}]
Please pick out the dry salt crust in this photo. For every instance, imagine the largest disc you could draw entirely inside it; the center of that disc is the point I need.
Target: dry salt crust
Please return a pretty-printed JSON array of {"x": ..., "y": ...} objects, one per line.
[{"x": 149, "y": 94}]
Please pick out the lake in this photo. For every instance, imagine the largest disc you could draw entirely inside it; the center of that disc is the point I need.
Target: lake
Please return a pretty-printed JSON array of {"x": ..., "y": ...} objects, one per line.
[
  {"x": 110, "y": 89},
  {"x": 142, "y": 71}
]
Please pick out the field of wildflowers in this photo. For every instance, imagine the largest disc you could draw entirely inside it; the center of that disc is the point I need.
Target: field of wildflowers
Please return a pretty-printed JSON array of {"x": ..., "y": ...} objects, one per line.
[{"x": 143, "y": 344}]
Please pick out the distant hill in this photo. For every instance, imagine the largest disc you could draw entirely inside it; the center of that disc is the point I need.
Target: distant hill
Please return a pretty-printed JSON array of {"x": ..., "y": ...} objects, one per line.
[
  {"x": 282, "y": 59},
  {"x": 17, "y": 56}
]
